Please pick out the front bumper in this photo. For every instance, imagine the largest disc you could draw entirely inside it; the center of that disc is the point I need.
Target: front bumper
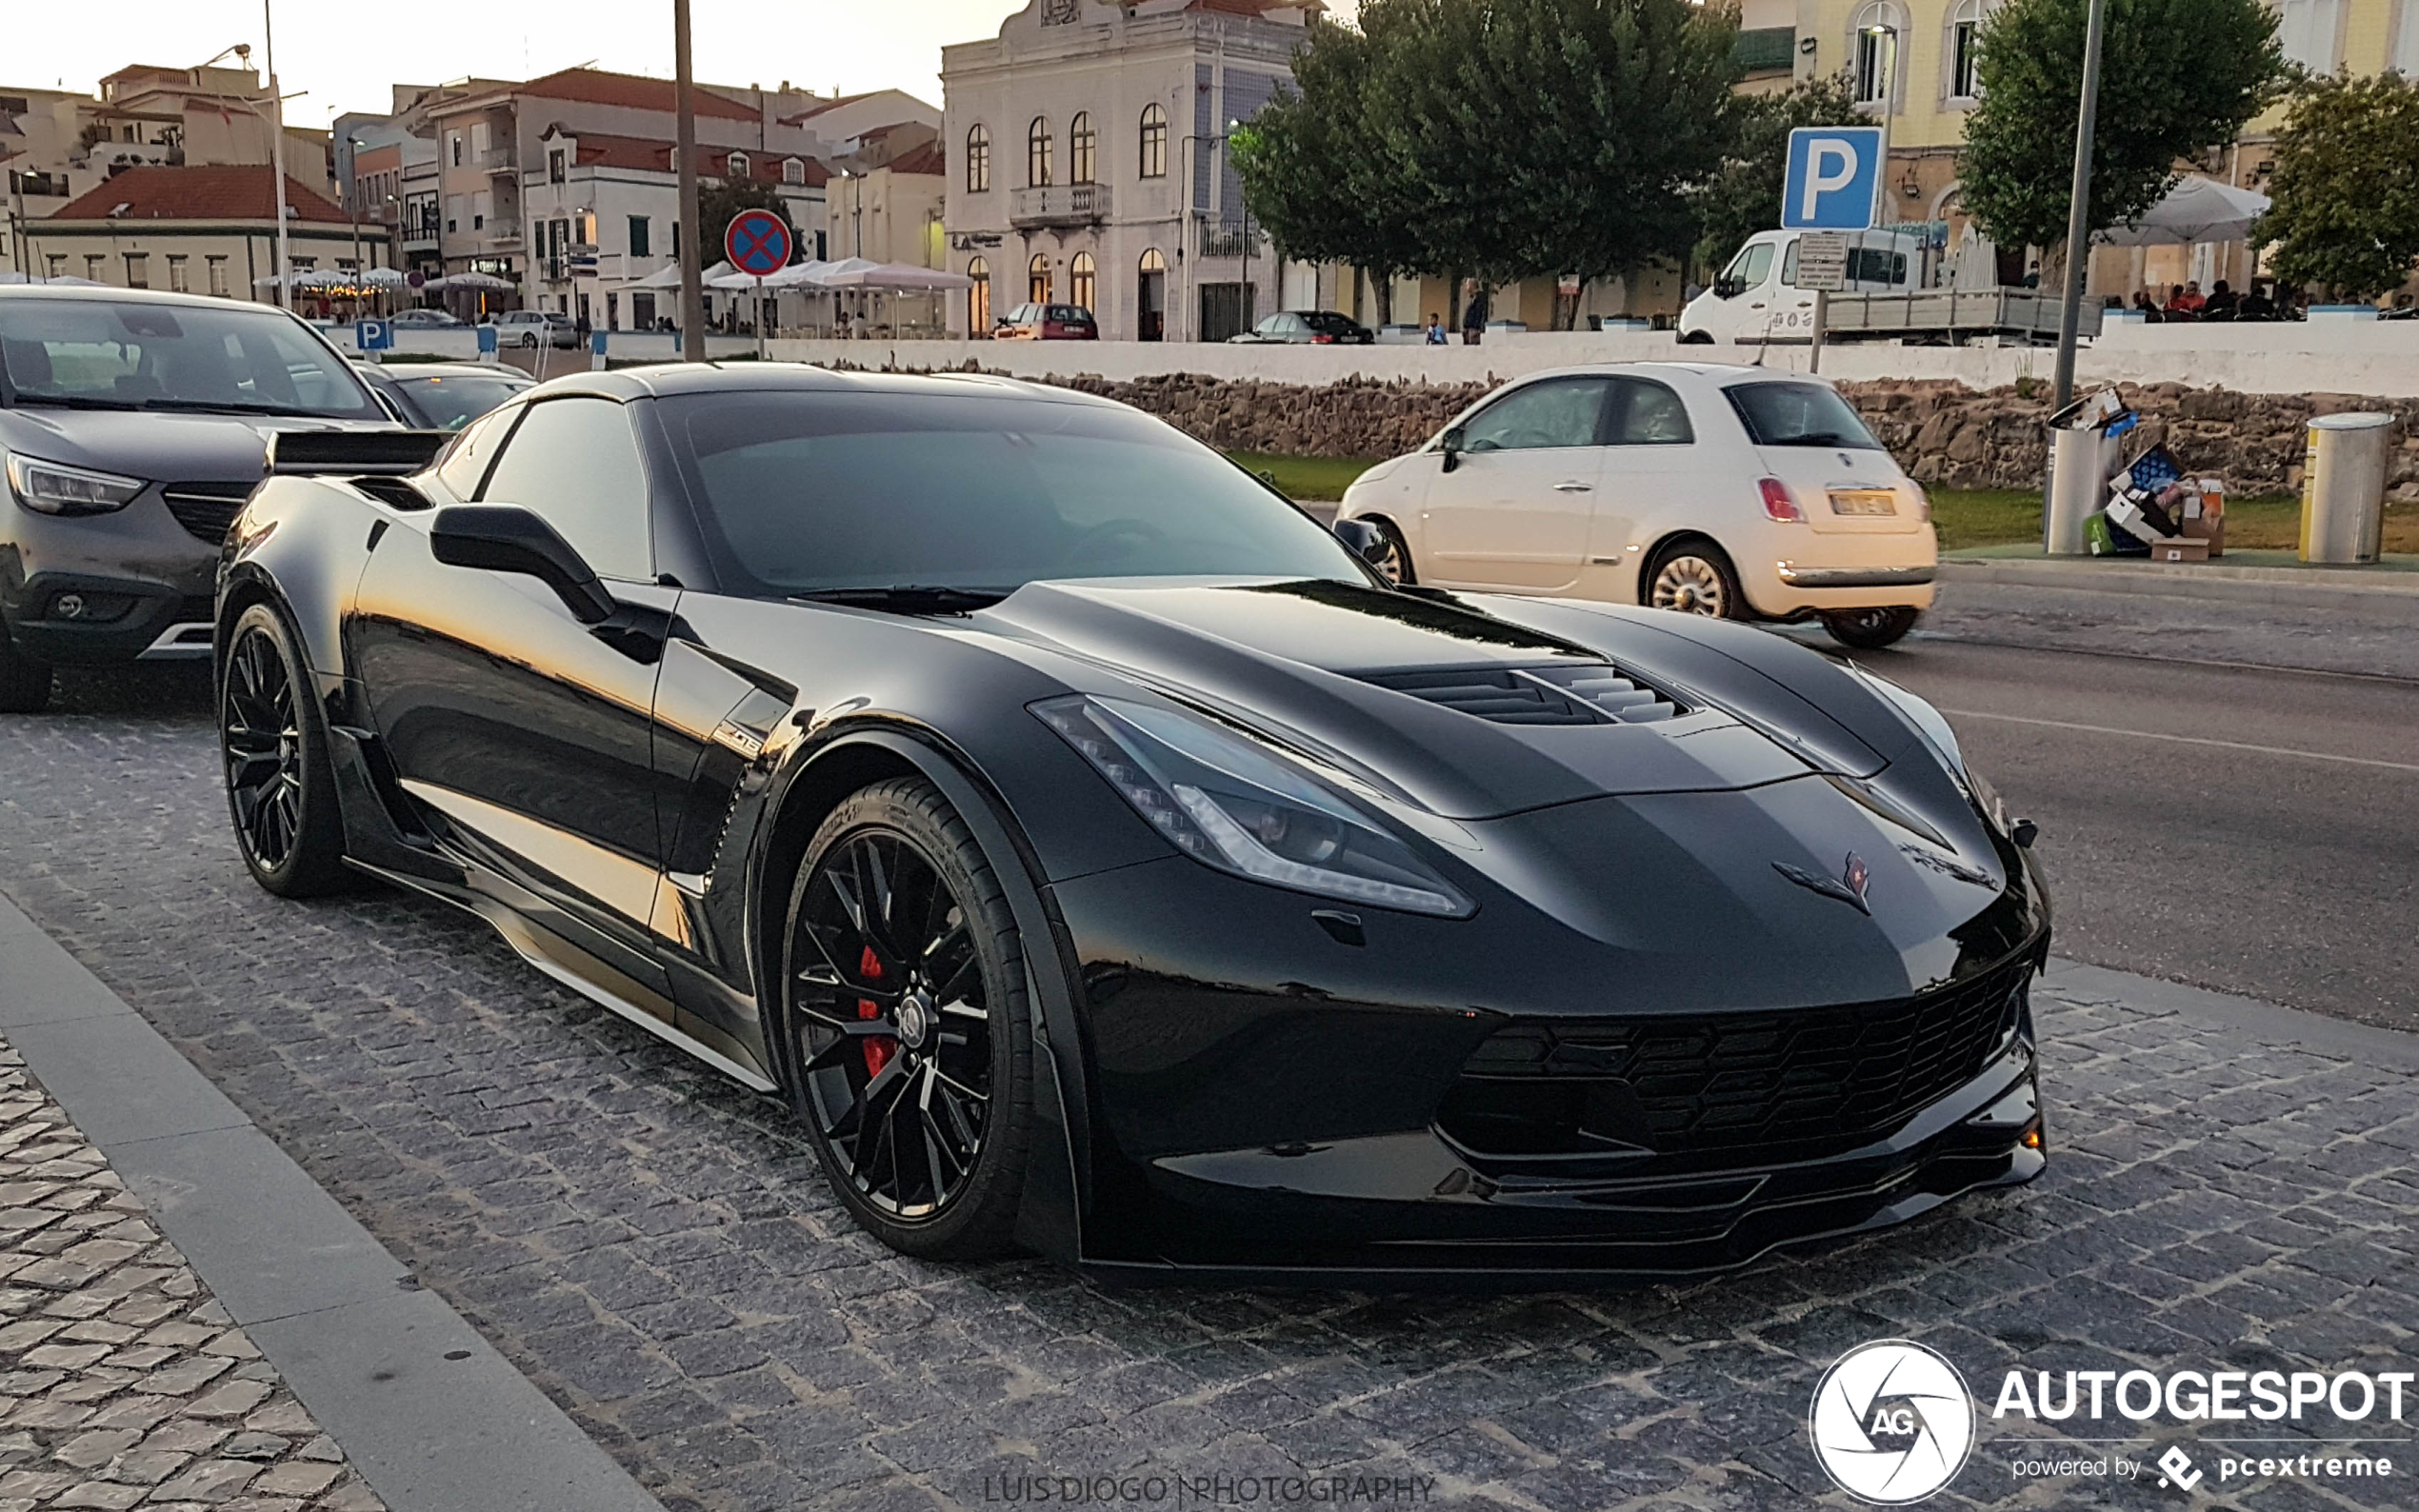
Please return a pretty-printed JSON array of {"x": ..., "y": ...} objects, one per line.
[{"x": 134, "y": 584}]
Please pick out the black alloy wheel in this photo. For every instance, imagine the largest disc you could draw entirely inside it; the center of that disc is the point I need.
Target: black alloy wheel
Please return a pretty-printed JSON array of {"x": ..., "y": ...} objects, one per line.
[
  {"x": 905, "y": 1027},
  {"x": 280, "y": 787},
  {"x": 1870, "y": 629}
]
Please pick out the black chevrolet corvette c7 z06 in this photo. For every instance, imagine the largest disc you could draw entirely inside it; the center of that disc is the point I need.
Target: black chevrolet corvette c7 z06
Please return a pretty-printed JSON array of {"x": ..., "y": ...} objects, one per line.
[{"x": 1100, "y": 859}]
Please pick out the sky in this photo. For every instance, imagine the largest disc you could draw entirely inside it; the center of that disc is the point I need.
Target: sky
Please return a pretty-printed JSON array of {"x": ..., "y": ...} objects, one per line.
[{"x": 346, "y": 55}]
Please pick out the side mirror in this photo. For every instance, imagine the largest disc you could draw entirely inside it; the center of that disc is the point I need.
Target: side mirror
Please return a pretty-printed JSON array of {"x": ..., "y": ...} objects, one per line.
[
  {"x": 1365, "y": 539},
  {"x": 1450, "y": 444},
  {"x": 1727, "y": 288},
  {"x": 507, "y": 538}
]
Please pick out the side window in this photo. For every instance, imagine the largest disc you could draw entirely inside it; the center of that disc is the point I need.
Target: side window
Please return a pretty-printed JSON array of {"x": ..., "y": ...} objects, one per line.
[
  {"x": 576, "y": 465},
  {"x": 463, "y": 461},
  {"x": 1752, "y": 264},
  {"x": 1651, "y": 415},
  {"x": 1788, "y": 265},
  {"x": 1558, "y": 412}
]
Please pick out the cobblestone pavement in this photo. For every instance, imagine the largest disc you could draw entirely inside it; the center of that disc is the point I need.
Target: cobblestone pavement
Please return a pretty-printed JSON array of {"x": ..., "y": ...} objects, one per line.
[
  {"x": 121, "y": 1382},
  {"x": 654, "y": 1248}
]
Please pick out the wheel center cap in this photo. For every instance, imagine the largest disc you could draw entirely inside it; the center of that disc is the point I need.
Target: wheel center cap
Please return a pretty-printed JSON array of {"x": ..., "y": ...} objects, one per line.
[{"x": 915, "y": 1021}]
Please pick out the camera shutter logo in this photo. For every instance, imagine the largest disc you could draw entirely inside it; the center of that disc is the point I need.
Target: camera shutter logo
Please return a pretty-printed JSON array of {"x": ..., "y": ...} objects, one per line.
[{"x": 1893, "y": 1423}]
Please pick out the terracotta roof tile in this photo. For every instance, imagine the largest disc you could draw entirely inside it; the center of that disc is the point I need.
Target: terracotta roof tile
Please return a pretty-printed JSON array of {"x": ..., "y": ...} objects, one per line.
[
  {"x": 832, "y": 104},
  {"x": 631, "y": 91},
  {"x": 654, "y": 156},
  {"x": 232, "y": 192},
  {"x": 925, "y": 159}
]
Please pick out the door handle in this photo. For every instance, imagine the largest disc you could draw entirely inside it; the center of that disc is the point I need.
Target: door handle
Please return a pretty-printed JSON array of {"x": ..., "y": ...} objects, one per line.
[{"x": 1572, "y": 486}]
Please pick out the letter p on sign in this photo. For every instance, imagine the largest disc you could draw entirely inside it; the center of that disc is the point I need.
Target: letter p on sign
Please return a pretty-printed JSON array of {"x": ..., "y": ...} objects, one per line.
[{"x": 1835, "y": 178}]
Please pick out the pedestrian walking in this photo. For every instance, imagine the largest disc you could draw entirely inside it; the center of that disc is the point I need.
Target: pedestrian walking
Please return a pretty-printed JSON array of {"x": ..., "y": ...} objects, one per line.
[{"x": 1474, "y": 314}]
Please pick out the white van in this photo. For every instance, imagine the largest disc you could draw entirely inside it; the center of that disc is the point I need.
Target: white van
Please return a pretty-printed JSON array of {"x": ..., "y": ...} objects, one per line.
[{"x": 1757, "y": 299}]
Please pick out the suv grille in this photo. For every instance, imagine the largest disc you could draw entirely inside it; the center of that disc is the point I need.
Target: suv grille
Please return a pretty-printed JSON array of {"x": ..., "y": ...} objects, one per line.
[
  {"x": 1563, "y": 693},
  {"x": 206, "y": 509},
  {"x": 1719, "y": 1082}
]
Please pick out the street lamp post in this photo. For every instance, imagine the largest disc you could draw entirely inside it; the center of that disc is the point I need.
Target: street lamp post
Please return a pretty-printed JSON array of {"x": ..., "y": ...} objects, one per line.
[
  {"x": 2079, "y": 207},
  {"x": 693, "y": 289},
  {"x": 277, "y": 158}
]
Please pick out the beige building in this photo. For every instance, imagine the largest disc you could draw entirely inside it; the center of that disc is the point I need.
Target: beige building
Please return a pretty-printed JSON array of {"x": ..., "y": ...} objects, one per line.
[{"x": 197, "y": 231}]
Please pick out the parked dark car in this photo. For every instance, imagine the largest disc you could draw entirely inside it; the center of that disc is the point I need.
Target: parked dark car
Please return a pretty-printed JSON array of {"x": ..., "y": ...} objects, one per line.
[
  {"x": 1314, "y": 328},
  {"x": 445, "y": 395},
  {"x": 1047, "y": 323},
  {"x": 1129, "y": 873},
  {"x": 133, "y": 425}
]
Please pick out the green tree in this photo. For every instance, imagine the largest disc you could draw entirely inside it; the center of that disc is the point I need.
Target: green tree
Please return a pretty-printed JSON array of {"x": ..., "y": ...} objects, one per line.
[
  {"x": 1505, "y": 138},
  {"x": 1744, "y": 195},
  {"x": 721, "y": 200},
  {"x": 2177, "y": 77},
  {"x": 2346, "y": 187}
]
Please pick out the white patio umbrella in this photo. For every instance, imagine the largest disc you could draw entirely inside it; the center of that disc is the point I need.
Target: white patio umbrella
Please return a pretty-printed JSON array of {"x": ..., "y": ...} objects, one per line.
[
  {"x": 471, "y": 280},
  {"x": 384, "y": 277},
  {"x": 900, "y": 277},
  {"x": 2197, "y": 209},
  {"x": 67, "y": 279}
]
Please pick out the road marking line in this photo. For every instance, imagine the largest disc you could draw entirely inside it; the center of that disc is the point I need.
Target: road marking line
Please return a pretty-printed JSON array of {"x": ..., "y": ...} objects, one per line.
[{"x": 2187, "y": 740}]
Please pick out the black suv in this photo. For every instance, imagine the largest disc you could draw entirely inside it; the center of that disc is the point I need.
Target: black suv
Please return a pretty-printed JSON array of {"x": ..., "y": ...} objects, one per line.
[{"x": 133, "y": 424}]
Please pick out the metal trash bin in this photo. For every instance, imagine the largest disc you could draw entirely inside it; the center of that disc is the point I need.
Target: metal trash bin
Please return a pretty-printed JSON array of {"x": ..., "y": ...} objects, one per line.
[
  {"x": 2085, "y": 446},
  {"x": 2344, "y": 487}
]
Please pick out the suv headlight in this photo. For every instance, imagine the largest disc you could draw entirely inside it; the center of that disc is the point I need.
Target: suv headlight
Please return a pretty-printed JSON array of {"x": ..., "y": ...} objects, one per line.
[
  {"x": 54, "y": 489},
  {"x": 1230, "y": 803}
]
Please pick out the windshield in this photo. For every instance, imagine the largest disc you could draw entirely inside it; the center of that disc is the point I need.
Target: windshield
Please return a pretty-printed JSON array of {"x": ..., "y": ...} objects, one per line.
[
  {"x": 101, "y": 354},
  {"x": 449, "y": 403},
  {"x": 811, "y": 493},
  {"x": 1799, "y": 414}
]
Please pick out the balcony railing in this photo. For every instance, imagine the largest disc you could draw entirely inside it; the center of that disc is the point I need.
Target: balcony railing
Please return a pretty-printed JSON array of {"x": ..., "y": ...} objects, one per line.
[
  {"x": 1060, "y": 205},
  {"x": 1228, "y": 239}
]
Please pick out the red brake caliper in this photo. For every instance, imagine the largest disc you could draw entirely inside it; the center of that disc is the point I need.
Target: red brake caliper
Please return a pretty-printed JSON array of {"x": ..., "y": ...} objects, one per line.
[{"x": 878, "y": 1051}]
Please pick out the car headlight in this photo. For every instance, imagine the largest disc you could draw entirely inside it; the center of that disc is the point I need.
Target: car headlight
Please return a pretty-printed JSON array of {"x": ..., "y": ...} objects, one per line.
[
  {"x": 1230, "y": 803},
  {"x": 1936, "y": 733},
  {"x": 54, "y": 489}
]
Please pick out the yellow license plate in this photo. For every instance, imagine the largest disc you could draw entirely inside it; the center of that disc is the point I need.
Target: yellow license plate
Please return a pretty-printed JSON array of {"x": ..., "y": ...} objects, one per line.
[{"x": 1864, "y": 501}]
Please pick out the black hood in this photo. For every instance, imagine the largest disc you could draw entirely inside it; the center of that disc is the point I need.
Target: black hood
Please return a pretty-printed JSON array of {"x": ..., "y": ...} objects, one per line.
[
  {"x": 1397, "y": 684},
  {"x": 164, "y": 448}
]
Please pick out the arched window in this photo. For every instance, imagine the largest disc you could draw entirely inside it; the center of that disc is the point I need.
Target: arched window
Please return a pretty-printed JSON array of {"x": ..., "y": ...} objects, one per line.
[
  {"x": 1873, "y": 54},
  {"x": 793, "y": 172},
  {"x": 1037, "y": 280},
  {"x": 1080, "y": 142},
  {"x": 1079, "y": 279},
  {"x": 737, "y": 164},
  {"x": 978, "y": 159},
  {"x": 1037, "y": 152},
  {"x": 1965, "y": 51},
  {"x": 1151, "y": 297},
  {"x": 1154, "y": 141},
  {"x": 978, "y": 299}
]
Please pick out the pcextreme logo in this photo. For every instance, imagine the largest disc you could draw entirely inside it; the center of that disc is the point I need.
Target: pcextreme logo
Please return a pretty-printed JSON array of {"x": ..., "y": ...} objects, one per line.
[{"x": 1892, "y": 1421}]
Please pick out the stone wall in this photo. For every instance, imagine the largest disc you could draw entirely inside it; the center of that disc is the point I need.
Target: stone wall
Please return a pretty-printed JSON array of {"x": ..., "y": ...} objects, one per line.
[{"x": 1941, "y": 431}]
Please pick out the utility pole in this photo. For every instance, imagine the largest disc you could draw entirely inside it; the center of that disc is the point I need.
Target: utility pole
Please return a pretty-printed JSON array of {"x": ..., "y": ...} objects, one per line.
[
  {"x": 693, "y": 287},
  {"x": 2079, "y": 207},
  {"x": 277, "y": 158}
]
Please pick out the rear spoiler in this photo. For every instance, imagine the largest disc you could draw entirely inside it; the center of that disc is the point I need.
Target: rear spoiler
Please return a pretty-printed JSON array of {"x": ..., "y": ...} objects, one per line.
[{"x": 352, "y": 454}]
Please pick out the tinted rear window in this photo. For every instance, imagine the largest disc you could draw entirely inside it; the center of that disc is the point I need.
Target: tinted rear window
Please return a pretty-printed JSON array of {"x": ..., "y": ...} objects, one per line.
[
  {"x": 1070, "y": 314},
  {"x": 1798, "y": 414}
]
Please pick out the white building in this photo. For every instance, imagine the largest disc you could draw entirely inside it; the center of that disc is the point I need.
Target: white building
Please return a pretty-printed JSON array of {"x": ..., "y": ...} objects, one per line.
[{"x": 1087, "y": 164}]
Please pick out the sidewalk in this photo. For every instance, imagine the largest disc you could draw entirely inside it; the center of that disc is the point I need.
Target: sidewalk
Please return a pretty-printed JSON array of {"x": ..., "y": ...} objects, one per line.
[{"x": 125, "y": 1382}]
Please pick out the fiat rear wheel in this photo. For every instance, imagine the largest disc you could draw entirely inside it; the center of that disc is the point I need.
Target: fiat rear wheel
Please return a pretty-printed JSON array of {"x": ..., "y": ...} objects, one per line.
[{"x": 1694, "y": 577}]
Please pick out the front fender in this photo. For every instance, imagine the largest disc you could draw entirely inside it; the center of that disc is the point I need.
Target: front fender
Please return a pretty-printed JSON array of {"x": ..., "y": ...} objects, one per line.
[{"x": 302, "y": 542}]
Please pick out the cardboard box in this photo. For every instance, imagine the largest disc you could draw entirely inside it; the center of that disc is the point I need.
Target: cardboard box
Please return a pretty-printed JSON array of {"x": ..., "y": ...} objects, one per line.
[
  {"x": 2205, "y": 516},
  {"x": 2183, "y": 549}
]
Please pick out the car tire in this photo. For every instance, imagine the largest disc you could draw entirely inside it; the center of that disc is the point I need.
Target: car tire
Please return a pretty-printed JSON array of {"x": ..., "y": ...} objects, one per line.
[
  {"x": 956, "y": 1072},
  {"x": 273, "y": 745},
  {"x": 529, "y": 340},
  {"x": 1694, "y": 577},
  {"x": 1696, "y": 338},
  {"x": 1870, "y": 629},
  {"x": 25, "y": 684},
  {"x": 1396, "y": 564}
]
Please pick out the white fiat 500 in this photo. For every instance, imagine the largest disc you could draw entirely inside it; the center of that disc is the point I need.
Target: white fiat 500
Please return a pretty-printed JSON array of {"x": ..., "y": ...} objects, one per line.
[{"x": 1708, "y": 488}]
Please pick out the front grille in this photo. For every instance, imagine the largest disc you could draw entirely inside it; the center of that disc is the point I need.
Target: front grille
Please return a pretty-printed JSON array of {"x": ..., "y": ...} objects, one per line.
[
  {"x": 1723, "y": 1082},
  {"x": 1562, "y": 693},
  {"x": 206, "y": 509}
]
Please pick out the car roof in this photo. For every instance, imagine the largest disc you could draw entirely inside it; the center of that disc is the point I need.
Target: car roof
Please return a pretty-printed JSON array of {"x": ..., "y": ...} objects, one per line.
[
  {"x": 1719, "y": 374},
  {"x": 668, "y": 380},
  {"x": 104, "y": 295},
  {"x": 403, "y": 372}
]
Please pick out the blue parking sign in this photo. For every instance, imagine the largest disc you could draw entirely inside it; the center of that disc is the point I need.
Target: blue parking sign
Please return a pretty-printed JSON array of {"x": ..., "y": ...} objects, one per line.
[
  {"x": 1835, "y": 178},
  {"x": 372, "y": 335}
]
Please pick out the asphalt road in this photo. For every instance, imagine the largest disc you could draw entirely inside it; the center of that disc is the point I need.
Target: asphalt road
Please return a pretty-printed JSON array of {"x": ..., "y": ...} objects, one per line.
[{"x": 2247, "y": 829}]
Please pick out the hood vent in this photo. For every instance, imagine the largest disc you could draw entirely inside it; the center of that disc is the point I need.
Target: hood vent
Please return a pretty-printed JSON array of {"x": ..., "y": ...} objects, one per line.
[{"x": 1563, "y": 693}]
